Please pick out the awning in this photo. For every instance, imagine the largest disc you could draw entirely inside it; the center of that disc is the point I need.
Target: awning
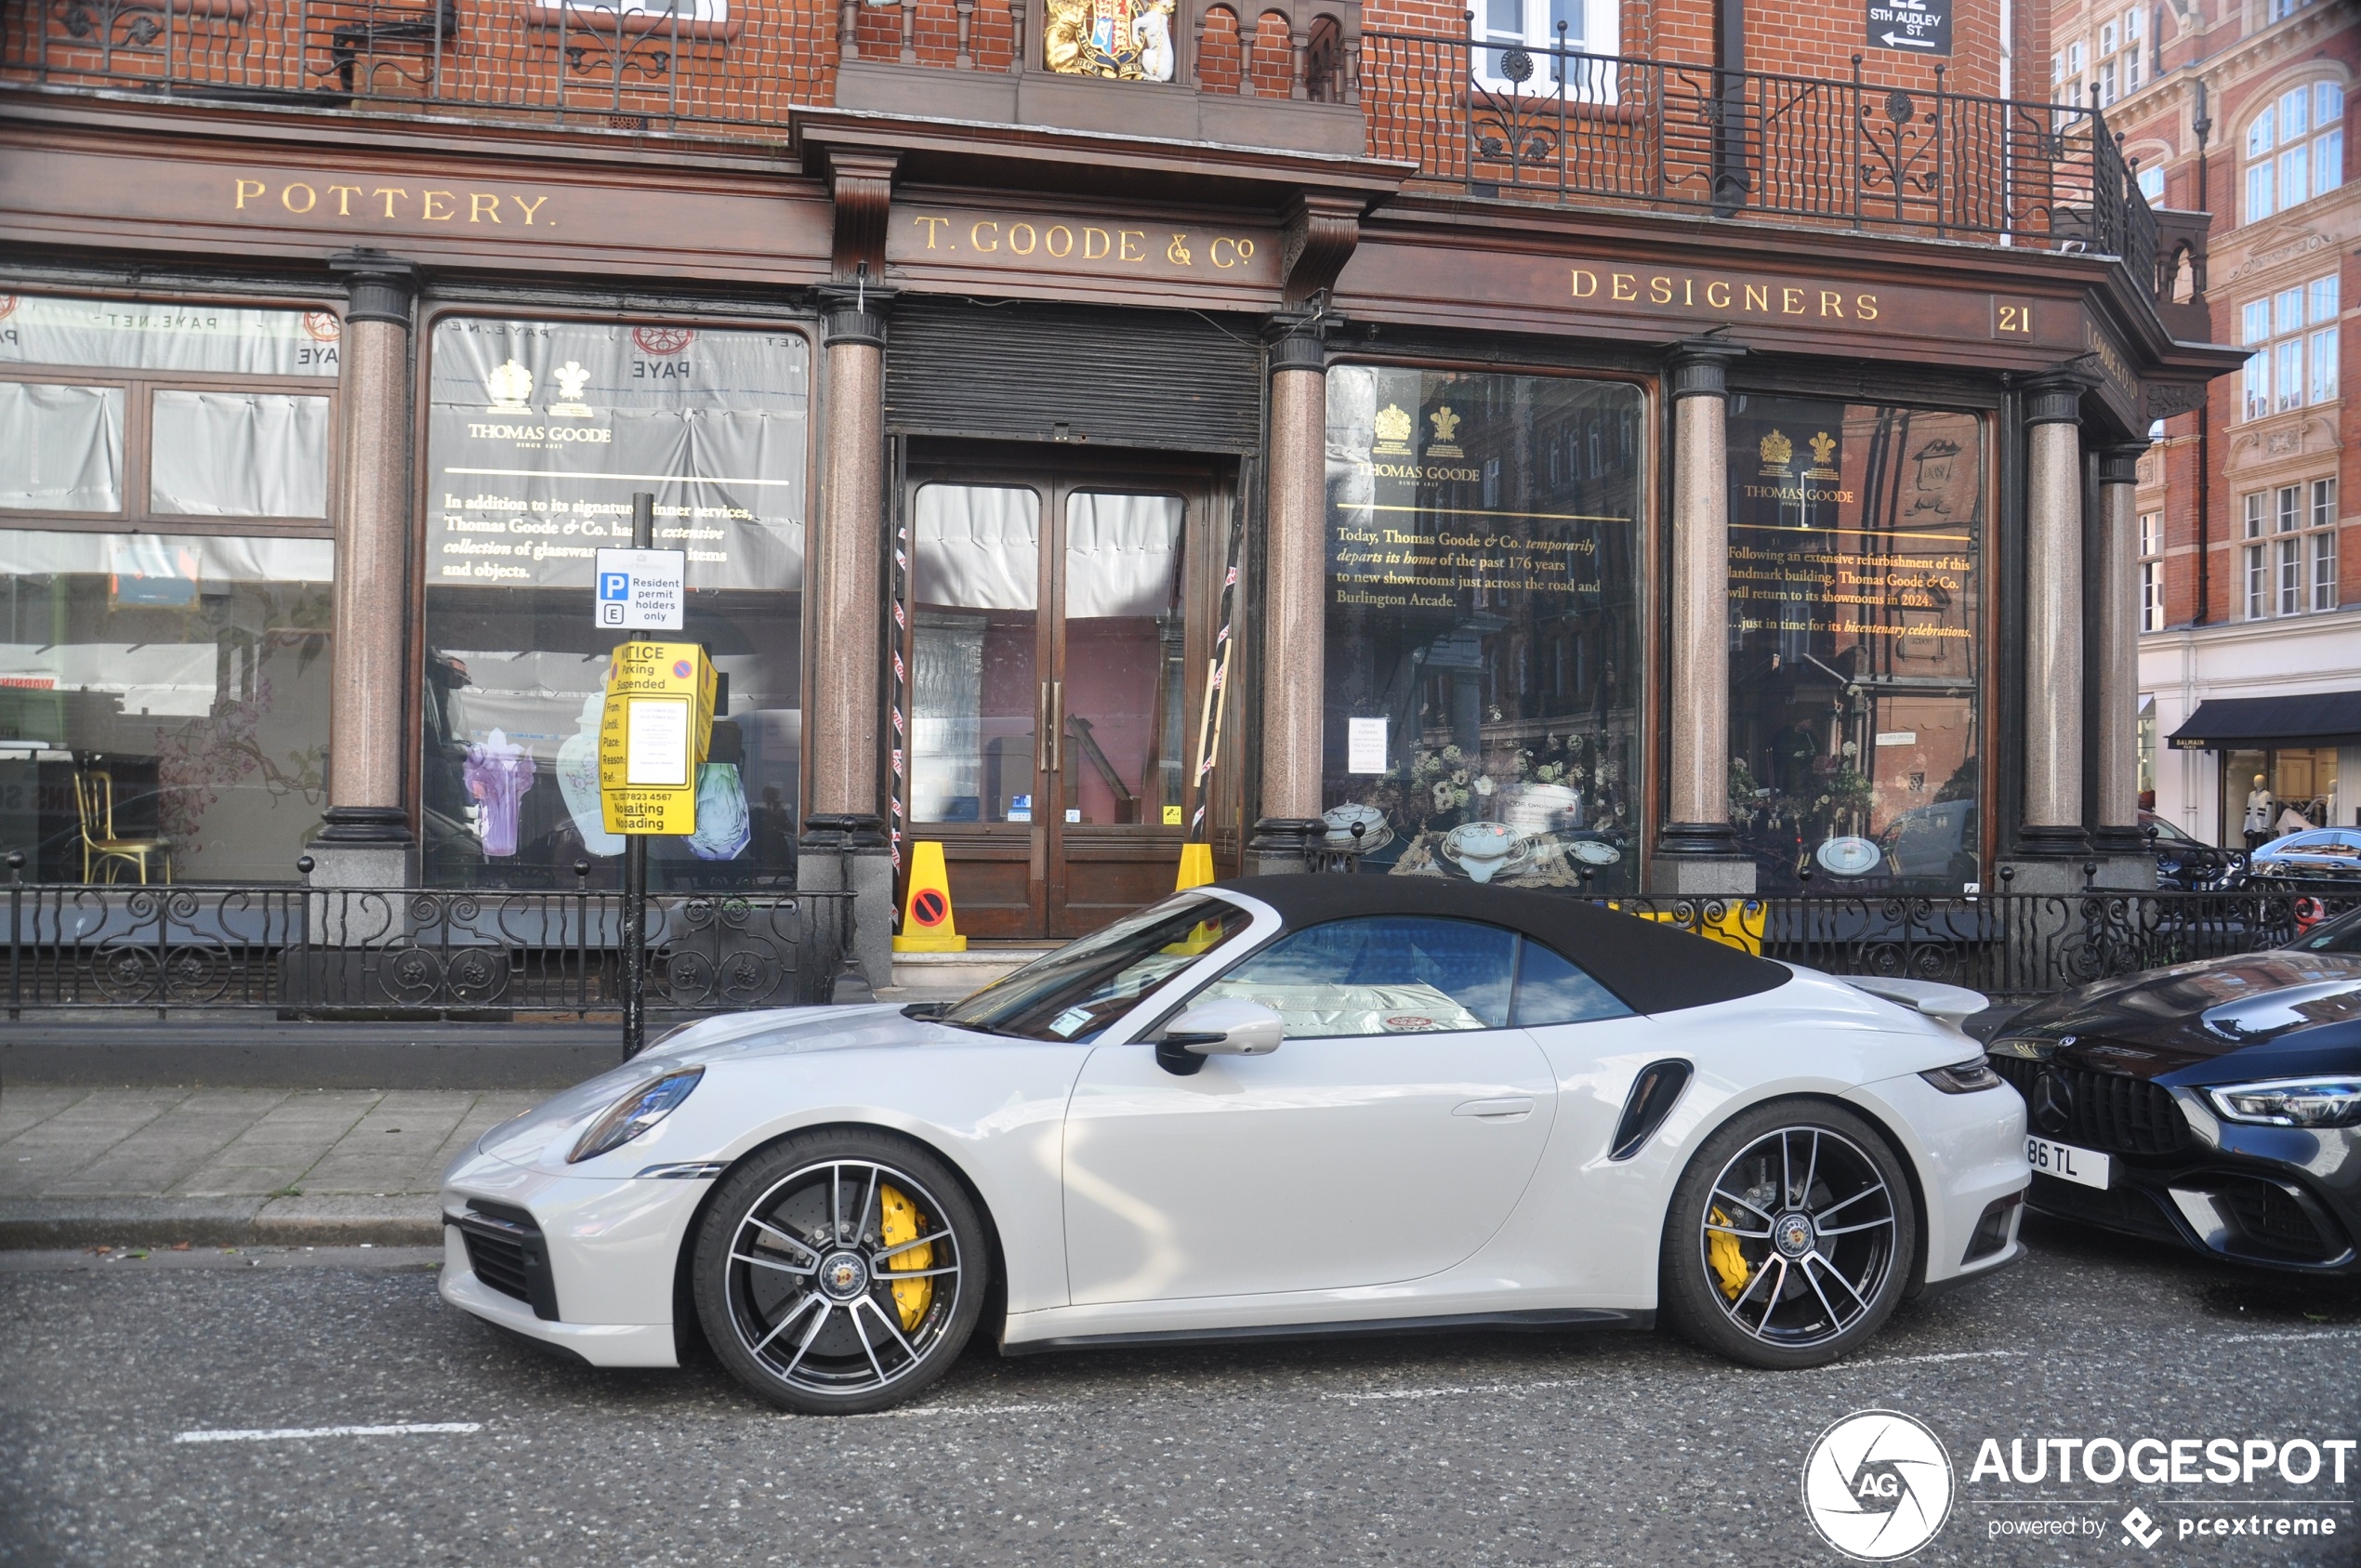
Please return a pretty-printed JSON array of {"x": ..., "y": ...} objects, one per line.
[{"x": 2313, "y": 719}]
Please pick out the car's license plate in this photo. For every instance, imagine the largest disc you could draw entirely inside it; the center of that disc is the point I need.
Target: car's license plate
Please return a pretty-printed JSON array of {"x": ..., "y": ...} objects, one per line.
[{"x": 2085, "y": 1167}]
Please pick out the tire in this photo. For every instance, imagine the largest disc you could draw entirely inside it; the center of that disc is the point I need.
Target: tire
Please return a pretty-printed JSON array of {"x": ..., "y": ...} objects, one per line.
[
  {"x": 804, "y": 1279},
  {"x": 1741, "y": 1277}
]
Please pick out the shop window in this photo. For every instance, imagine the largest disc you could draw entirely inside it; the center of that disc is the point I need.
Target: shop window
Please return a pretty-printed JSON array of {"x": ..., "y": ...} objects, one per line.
[
  {"x": 2294, "y": 334},
  {"x": 2295, "y": 148},
  {"x": 540, "y": 433},
  {"x": 1484, "y": 656},
  {"x": 163, "y": 703},
  {"x": 2268, "y": 794},
  {"x": 1514, "y": 33},
  {"x": 1856, "y": 644}
]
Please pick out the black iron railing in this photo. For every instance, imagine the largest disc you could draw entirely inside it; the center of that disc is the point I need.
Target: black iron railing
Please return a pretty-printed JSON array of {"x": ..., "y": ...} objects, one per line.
[
  {"x": 353, "y": 952},
  {"x": 1556, "y": 124},
  {"x": 2011, "y": 946}
]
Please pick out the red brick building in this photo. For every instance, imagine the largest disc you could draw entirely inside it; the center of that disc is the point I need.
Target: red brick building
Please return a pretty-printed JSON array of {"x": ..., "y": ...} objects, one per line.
[
  {"x": 1585, "y": 445},
  {"x": 2250, "y": 570}
]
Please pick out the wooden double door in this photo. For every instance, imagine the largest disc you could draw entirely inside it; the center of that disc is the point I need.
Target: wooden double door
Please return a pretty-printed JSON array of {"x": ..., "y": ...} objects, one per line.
[{"x": 1056, "y": 650}]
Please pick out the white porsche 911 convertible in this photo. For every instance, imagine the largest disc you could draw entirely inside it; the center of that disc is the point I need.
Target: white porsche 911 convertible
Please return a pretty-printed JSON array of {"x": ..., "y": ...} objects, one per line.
[{"x": 1289, "y": 1106}]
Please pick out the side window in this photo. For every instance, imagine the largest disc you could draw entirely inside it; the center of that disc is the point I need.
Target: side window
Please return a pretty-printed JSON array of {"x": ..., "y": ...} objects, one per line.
[
  {"x": 1550, "y": 991},
  {"x": 1391, "y": 974}
]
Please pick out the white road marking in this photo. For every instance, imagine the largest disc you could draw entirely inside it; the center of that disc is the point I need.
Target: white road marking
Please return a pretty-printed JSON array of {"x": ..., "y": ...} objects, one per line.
[
  {"x": 280, "y": 1434},
  {"x": 2295, "y": 1337},
  {"x": 1913, "y": 1360},
  {"x": 966, "y": 1410}
]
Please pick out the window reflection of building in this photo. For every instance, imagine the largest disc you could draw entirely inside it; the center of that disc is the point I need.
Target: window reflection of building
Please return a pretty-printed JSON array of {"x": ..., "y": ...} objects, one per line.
[
  {"x": 540, "y": 433},
  {"x": 1855, "y": 532},
  {"x": 1482, "y": 620}
]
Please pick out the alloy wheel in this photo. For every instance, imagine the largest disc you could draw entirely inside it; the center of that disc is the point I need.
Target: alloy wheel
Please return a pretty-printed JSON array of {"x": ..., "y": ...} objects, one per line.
[{"x": 1799, "y": 1237}]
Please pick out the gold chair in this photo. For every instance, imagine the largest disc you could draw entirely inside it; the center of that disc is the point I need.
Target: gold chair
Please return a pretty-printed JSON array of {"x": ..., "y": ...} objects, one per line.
[{"x": 94, "y": 798}]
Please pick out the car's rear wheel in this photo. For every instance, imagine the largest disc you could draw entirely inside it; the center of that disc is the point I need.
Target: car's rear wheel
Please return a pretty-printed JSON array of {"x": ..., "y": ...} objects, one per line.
[
  {"x": 1789, "y": 1238},
  {"x": 838, "y": 1273}
]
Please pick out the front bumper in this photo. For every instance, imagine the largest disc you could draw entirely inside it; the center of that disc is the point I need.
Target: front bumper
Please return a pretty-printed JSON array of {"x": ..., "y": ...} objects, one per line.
[
  {"x": 596, "y": 1281},
  {"x": 2264, "y": 1215}
]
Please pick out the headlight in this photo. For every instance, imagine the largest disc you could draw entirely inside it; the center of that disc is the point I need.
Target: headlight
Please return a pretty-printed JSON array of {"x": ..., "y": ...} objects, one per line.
[
  {"x": 635, "y": 1114},
  {"x": 1963, "y": 1077},
  {"x": 2291, "y": 1102}
]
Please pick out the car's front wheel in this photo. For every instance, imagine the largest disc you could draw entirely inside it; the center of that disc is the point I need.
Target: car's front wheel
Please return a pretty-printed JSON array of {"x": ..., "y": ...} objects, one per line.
[
  {"x": 1789, "y": 1238},
  {"x": 838, "y": 1273}
]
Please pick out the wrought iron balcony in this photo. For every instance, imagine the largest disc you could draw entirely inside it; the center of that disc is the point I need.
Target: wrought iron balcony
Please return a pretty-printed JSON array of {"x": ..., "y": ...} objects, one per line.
[{"x": 1547, "y": 124}]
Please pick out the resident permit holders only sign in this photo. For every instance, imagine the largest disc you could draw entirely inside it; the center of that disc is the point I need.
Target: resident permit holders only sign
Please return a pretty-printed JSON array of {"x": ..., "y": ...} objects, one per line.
[
  {"x": 642, "y": 591},
  {"x": 652, "y": 735}
]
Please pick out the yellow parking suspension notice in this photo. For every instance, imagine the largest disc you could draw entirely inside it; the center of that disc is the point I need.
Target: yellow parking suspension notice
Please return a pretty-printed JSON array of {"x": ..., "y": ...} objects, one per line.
[{"x": 652, "y": 735}]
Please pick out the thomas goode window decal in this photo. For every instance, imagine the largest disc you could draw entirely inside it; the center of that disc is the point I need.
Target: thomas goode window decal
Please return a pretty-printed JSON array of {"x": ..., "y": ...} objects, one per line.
[
  {"x": 1127, "y": 40},
  {"x": 1483, "y": 656}
]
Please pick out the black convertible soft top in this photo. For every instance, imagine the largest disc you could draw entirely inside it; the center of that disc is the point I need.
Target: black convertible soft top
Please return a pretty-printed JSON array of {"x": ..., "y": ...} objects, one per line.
[{"x": 1653, "y": 968}]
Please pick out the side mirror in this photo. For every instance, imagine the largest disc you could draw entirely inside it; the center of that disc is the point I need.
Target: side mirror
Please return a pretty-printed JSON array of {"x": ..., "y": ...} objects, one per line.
[{"x": 1228, "y": 1026}]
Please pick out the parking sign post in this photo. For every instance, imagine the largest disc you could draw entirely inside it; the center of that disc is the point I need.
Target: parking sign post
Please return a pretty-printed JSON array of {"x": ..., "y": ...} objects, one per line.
[{"x": 635, "y": 845}]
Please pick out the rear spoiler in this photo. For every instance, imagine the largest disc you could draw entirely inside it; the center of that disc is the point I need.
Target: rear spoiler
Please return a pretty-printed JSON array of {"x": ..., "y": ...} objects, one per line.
[{"x": 1952, "y": 1005}]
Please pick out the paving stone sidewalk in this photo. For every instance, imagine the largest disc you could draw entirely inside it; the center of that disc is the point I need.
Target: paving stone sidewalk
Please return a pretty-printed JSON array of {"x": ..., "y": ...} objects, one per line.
[{"x": 231, "y": 1166}]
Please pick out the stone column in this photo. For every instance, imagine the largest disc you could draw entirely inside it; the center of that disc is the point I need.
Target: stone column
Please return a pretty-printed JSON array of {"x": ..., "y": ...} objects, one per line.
[
  {"x": 2116, "y": 732},
  {"x": 1295, "y": 587},
  {"x": 844, "y": 842},
  {"x": 364, "y": 838},
  {"x": 1697, "y": 851},
  {"x": 2053, "y": 612}
]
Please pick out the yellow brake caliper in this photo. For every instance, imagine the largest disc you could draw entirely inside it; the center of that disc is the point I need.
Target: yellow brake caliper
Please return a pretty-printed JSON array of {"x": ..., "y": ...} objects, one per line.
[
  {"x": 1721, "y": 1251},
  {"x": 898, "y": 1222}
]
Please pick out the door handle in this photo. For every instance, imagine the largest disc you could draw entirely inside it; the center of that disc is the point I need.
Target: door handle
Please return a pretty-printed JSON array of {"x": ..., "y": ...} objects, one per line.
[
  {"x": 1041, "y": 729},
  {"x": 1509, "y": 1110},
  {"x": 1057, "y": 725}
]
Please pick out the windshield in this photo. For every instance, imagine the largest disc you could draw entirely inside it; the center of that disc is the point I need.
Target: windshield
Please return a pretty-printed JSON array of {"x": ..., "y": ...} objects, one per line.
[
  {"x": 2339, "y": 935},
  {"x": 1077, "y": 990}
]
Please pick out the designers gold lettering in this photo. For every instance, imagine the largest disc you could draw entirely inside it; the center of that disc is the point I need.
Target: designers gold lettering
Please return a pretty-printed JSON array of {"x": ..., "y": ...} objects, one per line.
[
  {"x": 1831, "y": 303},
  {"x": 1624, "y": 285},
  {"x": 1660, "y": 289},
  {"x": 1723, "y": 289},
  {"x": 1864, "y": 307},
  {"x": 1757, "y": 298},
  {"x": 1585, "y": 284},
  {"x": 1791, "y": 302}
]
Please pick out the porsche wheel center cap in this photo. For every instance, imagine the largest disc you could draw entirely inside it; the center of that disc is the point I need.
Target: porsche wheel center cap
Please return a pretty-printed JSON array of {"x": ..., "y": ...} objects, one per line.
[
  {"x": 843, "y": 1275},
  {"x": 1793, "y": 1235}
]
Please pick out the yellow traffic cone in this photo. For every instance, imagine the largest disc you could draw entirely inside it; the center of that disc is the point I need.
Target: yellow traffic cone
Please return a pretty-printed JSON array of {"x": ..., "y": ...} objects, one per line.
[
  {"x": 1196, "y": 867},
  {"x": 927, "y": 924}
]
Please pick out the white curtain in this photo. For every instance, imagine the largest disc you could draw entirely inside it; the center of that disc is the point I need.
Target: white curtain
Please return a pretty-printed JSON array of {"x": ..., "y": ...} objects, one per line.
[
  {"x": 976, "y": 547},
  {"x": 1123, "y": 555},
  {"x": 60, "y": 447},
  {"x": 238, "y": 455}
]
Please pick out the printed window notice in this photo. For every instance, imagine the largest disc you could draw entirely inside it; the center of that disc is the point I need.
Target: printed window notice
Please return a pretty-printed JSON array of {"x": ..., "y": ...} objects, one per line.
[
  {"x": 1364, "y": 745},
  {"x": 656, "y": 744}
]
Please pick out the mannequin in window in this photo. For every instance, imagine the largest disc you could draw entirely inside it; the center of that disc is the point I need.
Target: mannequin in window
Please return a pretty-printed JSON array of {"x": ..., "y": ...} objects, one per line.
[
  {"x": 2258, "y": 819},
  {"x": 2293, "y": 821}
]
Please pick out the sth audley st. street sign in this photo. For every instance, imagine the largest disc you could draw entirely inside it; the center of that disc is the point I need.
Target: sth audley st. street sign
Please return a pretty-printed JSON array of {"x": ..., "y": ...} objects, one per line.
[{"x": 1911, "y": 27}]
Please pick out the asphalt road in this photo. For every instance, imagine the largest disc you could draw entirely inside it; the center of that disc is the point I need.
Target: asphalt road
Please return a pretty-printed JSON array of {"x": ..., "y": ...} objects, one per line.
[{"x": 1611, "y": 1449}]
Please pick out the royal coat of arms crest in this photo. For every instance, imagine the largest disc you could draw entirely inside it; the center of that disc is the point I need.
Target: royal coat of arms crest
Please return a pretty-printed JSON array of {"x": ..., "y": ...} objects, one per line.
[
  {"x": 1777, "y": 451},
  {"x": 509, "y": 384},
  {"x": 1126, "y": 40}
]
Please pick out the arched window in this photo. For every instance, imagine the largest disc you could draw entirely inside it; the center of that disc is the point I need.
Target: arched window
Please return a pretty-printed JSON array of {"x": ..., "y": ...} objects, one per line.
[{"x": 2295, "y": 148}]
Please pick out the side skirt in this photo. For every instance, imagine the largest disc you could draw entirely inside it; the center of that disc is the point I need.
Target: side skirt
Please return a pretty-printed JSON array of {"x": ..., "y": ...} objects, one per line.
[{"x": 1544, "y": 1320}]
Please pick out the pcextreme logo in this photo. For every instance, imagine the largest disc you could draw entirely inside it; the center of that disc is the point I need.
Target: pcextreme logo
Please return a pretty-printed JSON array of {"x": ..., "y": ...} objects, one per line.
[{"x": 1878, "y": 1486}]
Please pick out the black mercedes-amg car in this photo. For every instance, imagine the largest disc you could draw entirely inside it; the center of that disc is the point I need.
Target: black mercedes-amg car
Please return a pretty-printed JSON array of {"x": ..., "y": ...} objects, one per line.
[{"x": 2215, "y": 1103}]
